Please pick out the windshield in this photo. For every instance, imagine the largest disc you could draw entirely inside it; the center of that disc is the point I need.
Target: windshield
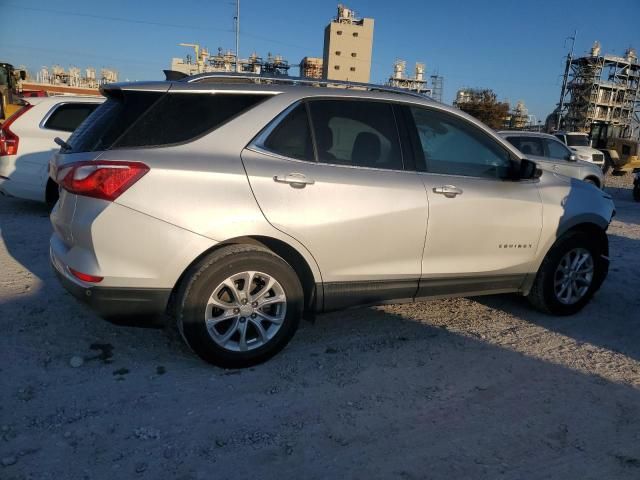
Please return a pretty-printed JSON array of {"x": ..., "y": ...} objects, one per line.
[{"x": 578, "y": 140}]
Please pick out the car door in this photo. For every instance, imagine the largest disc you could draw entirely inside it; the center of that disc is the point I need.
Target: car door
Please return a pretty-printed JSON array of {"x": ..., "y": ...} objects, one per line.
[
  {"x": 342, "y": 191},
  {"x": 483, "y": 228},
  {"x": 560, "y": 154}
]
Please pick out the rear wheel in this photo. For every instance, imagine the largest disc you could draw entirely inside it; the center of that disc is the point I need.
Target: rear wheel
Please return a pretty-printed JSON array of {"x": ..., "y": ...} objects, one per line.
[
  {"x": 239, "y": 306},
  {"x": 569, "y": 276}
]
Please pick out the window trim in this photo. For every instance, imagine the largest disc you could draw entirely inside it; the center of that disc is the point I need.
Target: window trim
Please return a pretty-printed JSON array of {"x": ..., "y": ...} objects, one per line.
[
  {"x": 54, "y": 108},
  {"x": 514, "y": 162}
]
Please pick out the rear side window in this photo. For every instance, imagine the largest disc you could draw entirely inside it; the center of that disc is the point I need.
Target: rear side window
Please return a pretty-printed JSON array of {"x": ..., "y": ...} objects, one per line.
[
  {"x": 67, "y": 116},
  {"x": 528, "y": 145},
  {"x": 153, "y": 119},
  {"x": 180, "y": 117},
  {"x": 292, "y": 136},
  {"x": 357, "y": 133}
]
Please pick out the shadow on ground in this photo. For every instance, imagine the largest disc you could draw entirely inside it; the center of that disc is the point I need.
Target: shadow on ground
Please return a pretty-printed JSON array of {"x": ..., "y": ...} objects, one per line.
[{"x": 367, "y": 393}]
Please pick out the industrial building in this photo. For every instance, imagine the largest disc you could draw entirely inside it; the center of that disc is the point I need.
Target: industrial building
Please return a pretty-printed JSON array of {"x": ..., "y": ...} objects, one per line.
[
  {"x": 226, "y": 61},
  {"x": 57, "y": 80},
  {"x": 348, "y": 44},
  {"x": 311, "y": 67},
  {"x": 603, "y": 89},
  {"x": 416, "y": 84}
]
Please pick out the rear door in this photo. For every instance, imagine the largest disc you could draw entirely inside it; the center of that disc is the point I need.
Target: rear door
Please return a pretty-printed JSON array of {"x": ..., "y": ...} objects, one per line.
[
  {"x": 483, "y": 229},
  {"x": 341, "y": 189}
]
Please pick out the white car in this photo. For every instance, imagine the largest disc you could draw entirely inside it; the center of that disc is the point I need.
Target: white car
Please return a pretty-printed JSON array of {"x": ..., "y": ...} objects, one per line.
[
  {"x": 580, "y": 143},
  {"x": 27, "y": 143}
]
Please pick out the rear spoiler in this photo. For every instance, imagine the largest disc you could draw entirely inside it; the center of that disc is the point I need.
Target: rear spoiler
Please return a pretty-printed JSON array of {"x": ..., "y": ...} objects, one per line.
[{"x": 173, "y": 75}]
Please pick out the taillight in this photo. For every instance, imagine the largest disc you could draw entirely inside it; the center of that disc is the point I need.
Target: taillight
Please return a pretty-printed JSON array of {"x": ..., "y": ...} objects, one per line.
[
  {"x": 100, "y": 179},
  {"x": 85, "y": 277},
  {"x": 9, "y": 140}
]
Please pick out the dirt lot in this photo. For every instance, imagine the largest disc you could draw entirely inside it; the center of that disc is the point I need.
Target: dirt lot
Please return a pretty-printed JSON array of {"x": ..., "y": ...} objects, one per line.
[{"x": 482, "y": 388}]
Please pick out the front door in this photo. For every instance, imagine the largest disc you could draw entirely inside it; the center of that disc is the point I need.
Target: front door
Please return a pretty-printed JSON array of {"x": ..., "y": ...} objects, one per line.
[{"x": 483, "y": 229}]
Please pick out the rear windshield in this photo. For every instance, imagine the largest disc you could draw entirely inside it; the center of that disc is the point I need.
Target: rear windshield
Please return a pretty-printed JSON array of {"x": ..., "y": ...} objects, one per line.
[
  {"x": 154, "y": 119},
  {"x": 577, "y": 140}
]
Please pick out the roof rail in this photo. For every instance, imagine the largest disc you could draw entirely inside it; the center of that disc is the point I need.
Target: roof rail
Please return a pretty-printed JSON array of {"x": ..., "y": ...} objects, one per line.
[{"x": 286, "y": 80}]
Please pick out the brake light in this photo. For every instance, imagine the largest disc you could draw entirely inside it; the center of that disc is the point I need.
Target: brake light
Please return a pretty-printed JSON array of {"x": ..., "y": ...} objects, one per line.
[
  {"x": 100, "y": 179},
  {"x": 85, "y": 277},
  {"x": 8, "y": 140}
]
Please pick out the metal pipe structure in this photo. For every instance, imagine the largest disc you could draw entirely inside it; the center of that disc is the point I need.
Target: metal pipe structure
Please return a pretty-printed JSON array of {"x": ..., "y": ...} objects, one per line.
[{"x": 565, "y": 78}]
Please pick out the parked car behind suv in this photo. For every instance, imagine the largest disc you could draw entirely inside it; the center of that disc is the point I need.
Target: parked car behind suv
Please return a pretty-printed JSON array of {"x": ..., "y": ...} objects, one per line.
[
  {"x": 580, "y": 143},
  {"x": 26, "y": 143},
  {"x": 239, "y": 208},
  {"x": 552, "y": 155}
]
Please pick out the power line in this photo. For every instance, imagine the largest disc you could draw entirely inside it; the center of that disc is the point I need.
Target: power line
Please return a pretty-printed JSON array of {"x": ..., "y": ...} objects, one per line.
[{"x": 116, "y": 19}]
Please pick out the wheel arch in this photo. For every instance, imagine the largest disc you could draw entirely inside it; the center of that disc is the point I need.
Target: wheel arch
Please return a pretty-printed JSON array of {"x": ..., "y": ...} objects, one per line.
[
  {"x": 593, "y": 179},
  {"x": 311, "y": 286},
  {"x": 594, "y": 230}
]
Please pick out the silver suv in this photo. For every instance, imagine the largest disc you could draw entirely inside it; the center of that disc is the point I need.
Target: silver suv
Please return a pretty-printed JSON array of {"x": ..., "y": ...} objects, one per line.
[
  {"x": 239, "y": 208},
  {"x": 552, "y": 155}
]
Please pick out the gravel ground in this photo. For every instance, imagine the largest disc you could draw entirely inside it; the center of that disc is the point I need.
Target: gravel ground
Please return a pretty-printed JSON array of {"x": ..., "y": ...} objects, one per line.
[{"x": 463, "y": 388}]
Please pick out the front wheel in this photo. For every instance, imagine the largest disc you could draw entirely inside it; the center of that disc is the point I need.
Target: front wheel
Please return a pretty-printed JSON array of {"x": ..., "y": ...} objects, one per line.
[
  {"x": 239, "y": 306},
  {"x": 569, "y": 276}
]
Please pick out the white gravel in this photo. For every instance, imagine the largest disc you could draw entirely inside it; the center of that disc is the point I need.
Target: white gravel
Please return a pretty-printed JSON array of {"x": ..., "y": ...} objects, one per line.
[{"x": 466, "y": 388}]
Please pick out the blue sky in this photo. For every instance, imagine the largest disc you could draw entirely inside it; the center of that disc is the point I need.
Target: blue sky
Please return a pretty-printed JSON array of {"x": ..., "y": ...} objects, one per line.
[{"x": 514, "y": 47}]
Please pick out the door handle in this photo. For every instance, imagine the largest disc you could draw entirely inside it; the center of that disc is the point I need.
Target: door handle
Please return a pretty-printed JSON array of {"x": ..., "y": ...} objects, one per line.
[
  {"x": 296, "y": 180},
  {"x": 449, "y": 191}
]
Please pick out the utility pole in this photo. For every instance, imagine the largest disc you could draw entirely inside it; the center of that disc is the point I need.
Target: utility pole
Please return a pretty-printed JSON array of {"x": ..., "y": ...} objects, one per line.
[
  {"x": 237, "y": 36},
  {"x": 565, "y": 79}
]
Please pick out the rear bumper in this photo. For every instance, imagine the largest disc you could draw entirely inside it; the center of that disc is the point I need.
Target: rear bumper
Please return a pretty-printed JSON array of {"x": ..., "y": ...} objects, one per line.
[{"x": 122, "y": 305}]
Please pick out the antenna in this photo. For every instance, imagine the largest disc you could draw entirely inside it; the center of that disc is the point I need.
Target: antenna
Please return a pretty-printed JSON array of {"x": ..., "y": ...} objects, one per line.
[
  {"x": 565, "y": 78},
  {"x": 237, "y": 19}
]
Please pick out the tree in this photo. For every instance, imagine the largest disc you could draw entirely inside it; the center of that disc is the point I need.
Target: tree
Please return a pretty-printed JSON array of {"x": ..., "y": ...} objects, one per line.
[{"x": 483, "y": 104}]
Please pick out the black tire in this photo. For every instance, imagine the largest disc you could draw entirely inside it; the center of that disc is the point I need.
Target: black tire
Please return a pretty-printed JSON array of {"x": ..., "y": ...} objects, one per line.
[
  {"x": 543, "y": 296},
  {"x": 211, "y": 271}
]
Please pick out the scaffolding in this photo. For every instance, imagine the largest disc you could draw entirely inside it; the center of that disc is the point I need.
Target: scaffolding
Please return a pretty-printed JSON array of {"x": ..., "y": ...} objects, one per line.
[
  {"x": 437, "y": 87},
  {"x": 226, "y": 61},
  {"x": 311, "y": 67},
  {"x": 604, "y": 89}
]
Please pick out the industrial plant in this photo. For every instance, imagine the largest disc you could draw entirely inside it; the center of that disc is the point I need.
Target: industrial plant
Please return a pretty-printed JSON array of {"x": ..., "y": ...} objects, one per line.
[
  {"x": 602, "y": 88},
  {"x": 227, "y": 61}
]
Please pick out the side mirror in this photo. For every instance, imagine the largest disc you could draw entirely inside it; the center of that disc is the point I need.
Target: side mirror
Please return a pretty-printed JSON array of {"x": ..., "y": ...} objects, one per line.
[
  {"x": 529, "y": 170},
  {"x": 573, "y": 158}
]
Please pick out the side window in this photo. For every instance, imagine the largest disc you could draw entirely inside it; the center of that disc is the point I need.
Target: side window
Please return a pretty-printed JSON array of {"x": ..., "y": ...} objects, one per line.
[
  {"x": 561, "y": 138},
  {"x": 68, "y": 116},
  {"x": 454, "y": 147},
  {"x": 557, "y": 149},
  {"x": 528, "y": 145},
  {"x": 357, "y": 133},
  {"x": 292, "y": 136}
]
